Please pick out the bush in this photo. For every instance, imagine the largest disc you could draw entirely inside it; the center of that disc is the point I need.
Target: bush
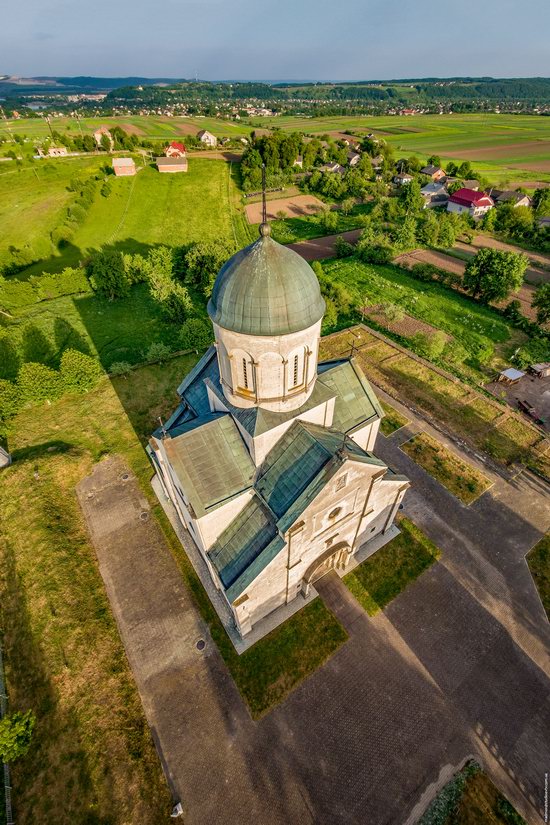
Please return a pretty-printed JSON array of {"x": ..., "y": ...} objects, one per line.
[
  {"x": 76, "y": 213},
  {"x": 330, "y": 318},
  {"x": 342, "y": 248},
  {"x": 37, "y": 382},
  {"x": 136, "y": 267},
  {"x": 158, "y": 352},
  {"x": 195, "y": 334},
  {"x": 70, "y": 281},
  {"x": 15, "y": 294},
  {"x": 62, "y": 236},
  {"x": 106, "y": 189},
  {"x": 377, "y": 254},
  {"x": 15, "y": 735},
  {"x": 10, "y": 360},
  {"x": 10, "y": 399},
  {"x": 120, "y": 368},
  {"x": 429, "y": 346},
  {"x": 79, "y": 372},
  {"x": 426, "y": 272},
  {"x": 394, "y": 312}
]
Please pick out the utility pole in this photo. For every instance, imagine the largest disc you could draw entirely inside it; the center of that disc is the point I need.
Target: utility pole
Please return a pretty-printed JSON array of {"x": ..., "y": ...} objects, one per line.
[{"x": 49, "y": 125}]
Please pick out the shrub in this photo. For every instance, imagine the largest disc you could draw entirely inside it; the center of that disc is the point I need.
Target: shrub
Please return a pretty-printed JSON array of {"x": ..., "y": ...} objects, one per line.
[
  {"x": 330, "y": 318},
  {"x": 158, "y": 352},
  {"x": 377, "y": 254},
  {"x": 37, "y": 382},
  {"x": 342, "y": 248},
  {"x": 195, "y": 334},
  {"x": 120, "y": 368},
  {"x": 62, "y": 235},
  {"x": 106, "y": 189},
  {"x": 15, "y": 294},
  {"x": 10, "y": 399},
  {"x": 70, "y": 281},
  {"x": 15, "y": 735},
  {"x": 79, "y": 372},
  {"x": 429, "y": 346},
  {"x": 426, "y": 272},
  {"x": 135, "y": 267},
  {"x": 76, "y": 213},
  {"x": 10, "y": 360},
  {"x": 394, "y": 312}
]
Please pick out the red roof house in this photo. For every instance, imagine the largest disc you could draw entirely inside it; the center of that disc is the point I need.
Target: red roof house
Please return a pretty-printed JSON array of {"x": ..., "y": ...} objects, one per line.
[
  {"x": 471, "y": 201},
  {"x": 175, "y": 150}
]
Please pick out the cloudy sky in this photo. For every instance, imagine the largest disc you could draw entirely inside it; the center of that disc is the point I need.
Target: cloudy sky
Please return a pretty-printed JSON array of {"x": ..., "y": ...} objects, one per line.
[{"x": 277, "y": 40}]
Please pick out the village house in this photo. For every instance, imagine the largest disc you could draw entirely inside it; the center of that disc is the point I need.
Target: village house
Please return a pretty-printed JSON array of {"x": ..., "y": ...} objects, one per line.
[
  {"x": 434, "y": 172},
  {"x": 403, "y": 178},
  {"x": 353, "y": 158},
  {"x": 333, "y": 167},
  {"x": 207, "y": 138},
  {"x": 124, "y": 166},
  {"x": 476, "y": 204},
  {"x": 501, "y": 196},
  {"x": 57, "y": 151},
  {"x": 299, "y": 162},
  {"x": 175, "y": 150},
  {"x": 268, "y": 460},
  {"x": 172, "y": 164},
  {"x": 434, "y": 194}
]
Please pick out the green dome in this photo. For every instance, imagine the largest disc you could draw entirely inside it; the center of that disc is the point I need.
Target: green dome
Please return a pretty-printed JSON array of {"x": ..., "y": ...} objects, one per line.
[{"x": 266, "y": 289}]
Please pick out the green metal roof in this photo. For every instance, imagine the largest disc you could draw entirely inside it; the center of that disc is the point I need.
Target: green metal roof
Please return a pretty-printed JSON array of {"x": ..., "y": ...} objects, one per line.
[
  {"x": 266, "y": 289},
  {"x": 211, "y": 461},
  {"x": 356, "y": 402},
  {"x": 243, "y": 540}
]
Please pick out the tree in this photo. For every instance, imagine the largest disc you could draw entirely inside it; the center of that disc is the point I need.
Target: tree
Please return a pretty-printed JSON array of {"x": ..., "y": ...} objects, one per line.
[
  {"x": 429, "y": 346},
  {"x": 393, "y": 312},
  {"x": 200, "y": 264},
  {"x": 411, "y": 197},
  {"x": 108, "y": 275},
  {"x": 447, "y": 234},
  {"x": 37, "y": 382},
  {"x": 541, "y": 302},
  {"x": 428, "y": 228},
  {"x": 541, "y": 202},
  {"x": 10, "y": 399},
  {"x": 406, "y": 236},
  {"x": 347, "y": 205},
  {"x": 330, "y": 318},
  {"x": 15, "y": 735},
  {"x": 9, "y": 358},
  {"x": 492, "y": 274},
  {"x": 105, "y": 142},
  {"x": 329, "y": 221},
  {"x": 195, "y": 334}
]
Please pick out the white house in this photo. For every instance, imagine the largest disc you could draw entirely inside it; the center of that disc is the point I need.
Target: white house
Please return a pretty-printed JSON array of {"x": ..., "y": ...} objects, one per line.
[
  {"x": 268, "y": 459},
  {"x": 207, "y": 138},
  {"x": 476, "y": 204}
]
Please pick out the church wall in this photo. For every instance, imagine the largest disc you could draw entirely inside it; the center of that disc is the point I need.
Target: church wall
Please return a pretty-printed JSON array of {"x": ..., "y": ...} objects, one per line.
[
  {"x": 366, "y": 436},
  {"x": 212, "y": 525}
]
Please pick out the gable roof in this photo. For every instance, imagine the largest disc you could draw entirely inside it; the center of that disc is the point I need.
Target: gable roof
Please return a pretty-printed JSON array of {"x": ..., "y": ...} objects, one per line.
[
  {"x": 469, "y": 197},
  {"x": 210, "y": 458},
  {"x": 430, "y": 169},
  {"x": 123, "y": 162},
  {"x": 356, "y": 402},
  {"x": 172, "y": 161},
  {"x": 176, "y": 145}
]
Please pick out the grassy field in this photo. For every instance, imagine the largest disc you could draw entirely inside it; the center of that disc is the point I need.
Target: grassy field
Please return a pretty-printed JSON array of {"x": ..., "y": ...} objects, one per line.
[
  {"x": 461, "y": 479},
  {"x": 143, "y": 211},
  {"x": 154, "y": 127},
  {"x": 479, "y": 329},
  {"x": 33, "y": 200},
  {"x": 292, "y": 230},
  {"x": 539, "y": 565},
  {"x": 381, "y": 577},
  {"x": 93, "y": 759},
  {"x": 392, "y": 420}
]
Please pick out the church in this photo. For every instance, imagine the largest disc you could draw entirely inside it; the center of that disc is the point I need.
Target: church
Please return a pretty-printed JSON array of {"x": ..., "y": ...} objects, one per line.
[{"x": 268, "y": 459}]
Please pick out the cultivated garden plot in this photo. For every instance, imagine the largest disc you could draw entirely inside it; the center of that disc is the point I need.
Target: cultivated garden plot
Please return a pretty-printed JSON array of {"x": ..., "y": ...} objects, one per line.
[
  {"x": 460, "y": 478},
  {"x": 296, "y": 206}
]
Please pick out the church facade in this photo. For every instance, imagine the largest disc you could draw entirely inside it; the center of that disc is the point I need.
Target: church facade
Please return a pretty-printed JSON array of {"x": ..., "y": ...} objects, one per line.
[{"x": 268, "y": 458}]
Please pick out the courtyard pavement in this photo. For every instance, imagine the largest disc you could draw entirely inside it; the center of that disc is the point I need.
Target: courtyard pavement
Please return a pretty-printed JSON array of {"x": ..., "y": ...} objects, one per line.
[{"x": 457, "y": 665}]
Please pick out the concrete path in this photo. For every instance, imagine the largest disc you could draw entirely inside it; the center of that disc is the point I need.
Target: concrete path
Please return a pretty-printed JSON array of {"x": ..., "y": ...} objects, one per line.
[{"x": 457, "y": 665}]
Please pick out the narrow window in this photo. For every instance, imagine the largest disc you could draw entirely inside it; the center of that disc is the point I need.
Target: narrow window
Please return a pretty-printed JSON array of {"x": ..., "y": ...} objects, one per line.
[
  {"x": 295, "y": 371},
  {"x": 245, "y": 374}
]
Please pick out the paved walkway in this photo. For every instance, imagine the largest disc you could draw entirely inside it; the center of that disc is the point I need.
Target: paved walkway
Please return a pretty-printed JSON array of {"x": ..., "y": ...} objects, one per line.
[{"x": 457, "y": 665}]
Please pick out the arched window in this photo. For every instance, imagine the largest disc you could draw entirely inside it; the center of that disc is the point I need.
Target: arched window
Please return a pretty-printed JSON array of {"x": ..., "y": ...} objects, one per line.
[
  {"x": 242, "y": 369},
  {"x": 245, "y": 374},
  {"x": 295, "y": 371}
]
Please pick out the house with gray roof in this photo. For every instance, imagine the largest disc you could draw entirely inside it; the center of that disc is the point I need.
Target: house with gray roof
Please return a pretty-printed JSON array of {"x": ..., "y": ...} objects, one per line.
[{"x": 268, "y": 458}]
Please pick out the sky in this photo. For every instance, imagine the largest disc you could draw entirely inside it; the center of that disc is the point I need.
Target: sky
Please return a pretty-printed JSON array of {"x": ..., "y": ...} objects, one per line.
[{"x": 276, "y": 39}]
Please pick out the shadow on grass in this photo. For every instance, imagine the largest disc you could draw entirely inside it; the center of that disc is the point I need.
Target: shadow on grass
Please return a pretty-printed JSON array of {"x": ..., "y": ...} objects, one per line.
[
  {"x": 381, "y": 577},
  {"x": 40, "y": 450}
]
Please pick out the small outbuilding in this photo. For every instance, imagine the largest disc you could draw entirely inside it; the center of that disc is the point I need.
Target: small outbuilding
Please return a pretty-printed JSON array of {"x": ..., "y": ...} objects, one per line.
[
  {"x": 124, "y": 166},
  {"x": 173, "y": 164},
  {"x": 433, "y": 172},
  {"x": 402, "y": 179},
  {"x": 541, "y": 370},
  {"x": 510, "y": 376}
]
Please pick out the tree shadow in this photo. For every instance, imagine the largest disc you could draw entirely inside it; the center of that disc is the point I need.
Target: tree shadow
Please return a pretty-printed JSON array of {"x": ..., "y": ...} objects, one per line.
[{"x": 35, "y": 451}]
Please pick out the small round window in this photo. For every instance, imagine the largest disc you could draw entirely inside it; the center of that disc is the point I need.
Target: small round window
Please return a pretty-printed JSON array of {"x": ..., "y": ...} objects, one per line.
[{"x": 334, "y": 513}]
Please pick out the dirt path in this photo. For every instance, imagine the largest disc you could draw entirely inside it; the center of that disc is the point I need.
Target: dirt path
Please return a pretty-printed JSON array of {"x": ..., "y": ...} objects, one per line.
[
  {"x": 318, "y": 248},
  {"x": 215, "y": 154}
]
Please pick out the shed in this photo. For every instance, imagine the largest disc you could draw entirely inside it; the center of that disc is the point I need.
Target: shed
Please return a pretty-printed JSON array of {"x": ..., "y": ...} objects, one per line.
[
  {"x": 124, "y": 166},
  {"x": 510, "y": 376},
  {"x": 172, "y": 164},
  {"x": 541, "y": 370}
]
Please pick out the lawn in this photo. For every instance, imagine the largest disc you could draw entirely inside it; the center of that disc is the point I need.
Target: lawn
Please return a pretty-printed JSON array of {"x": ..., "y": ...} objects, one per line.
[
  {"x": 93, "y": 759},
  {"x": 539, "y": 565},
  {"x": 470, "y": 798},
  {"x": 33, "y": 200},
  {"x": 460, "y": 478},
  {"x": 381, "y": 577},
  {"x": 292, "y": 230},
  {"x": 392, "y": 420}
]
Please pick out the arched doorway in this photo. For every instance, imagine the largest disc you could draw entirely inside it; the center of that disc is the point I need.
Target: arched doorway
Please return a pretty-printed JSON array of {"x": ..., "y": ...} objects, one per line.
[{"x": 332, "y": 558}]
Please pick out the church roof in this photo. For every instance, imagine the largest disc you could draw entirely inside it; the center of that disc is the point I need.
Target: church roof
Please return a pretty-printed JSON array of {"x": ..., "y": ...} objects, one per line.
[
  {"x": 356, "y": 403},
  {"x": 210, "y": 459},
  {"x": 266, "y": 289}
]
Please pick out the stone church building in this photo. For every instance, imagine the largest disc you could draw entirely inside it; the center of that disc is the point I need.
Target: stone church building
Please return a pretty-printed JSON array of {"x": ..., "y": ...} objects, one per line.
[{"x": 268, "y": 458}]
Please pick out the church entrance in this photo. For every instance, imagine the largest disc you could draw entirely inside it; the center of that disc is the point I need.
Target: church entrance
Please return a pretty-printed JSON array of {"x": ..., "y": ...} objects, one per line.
[{"x": 332, "y": 558}]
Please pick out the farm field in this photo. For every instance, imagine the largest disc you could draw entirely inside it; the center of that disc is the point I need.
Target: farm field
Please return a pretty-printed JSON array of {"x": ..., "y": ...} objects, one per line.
[
  {"x": 294, "y": 206},
  {"x": 154, "y": 127}
]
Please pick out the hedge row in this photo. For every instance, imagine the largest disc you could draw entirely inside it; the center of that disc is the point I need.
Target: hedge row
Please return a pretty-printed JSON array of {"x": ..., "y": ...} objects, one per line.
[{"x": 44, "y": 287}]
